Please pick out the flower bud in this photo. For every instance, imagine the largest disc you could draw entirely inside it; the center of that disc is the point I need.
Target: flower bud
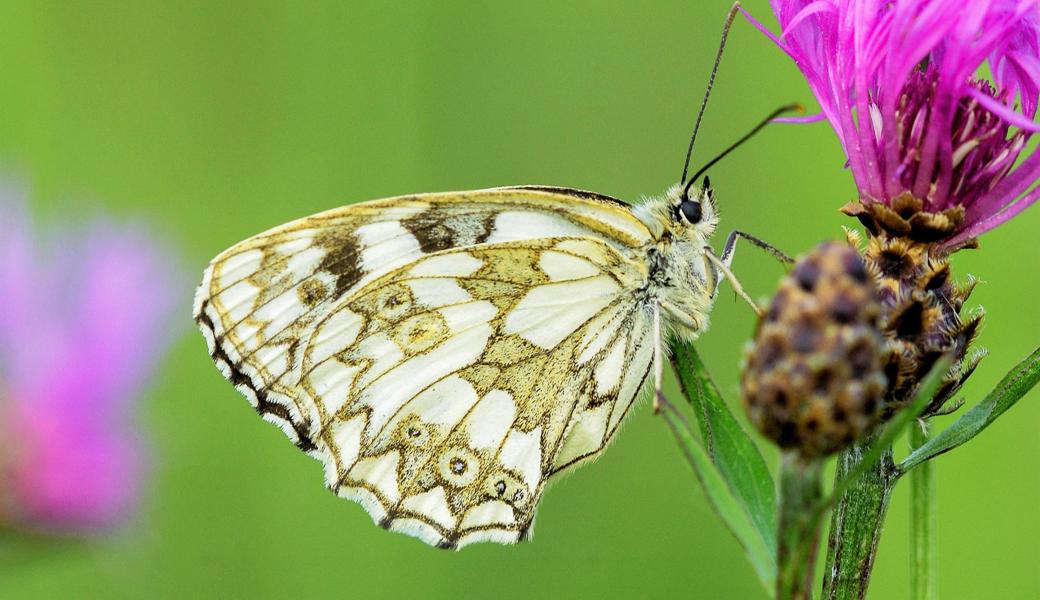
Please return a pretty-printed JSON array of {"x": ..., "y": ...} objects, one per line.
[{"x": 814, "y": 378}]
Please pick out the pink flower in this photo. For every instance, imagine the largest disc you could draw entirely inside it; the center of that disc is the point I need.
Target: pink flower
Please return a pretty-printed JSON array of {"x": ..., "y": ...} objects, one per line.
[
  {"x": 897, "y": 79},
  {"x": 84, "y": 318}
]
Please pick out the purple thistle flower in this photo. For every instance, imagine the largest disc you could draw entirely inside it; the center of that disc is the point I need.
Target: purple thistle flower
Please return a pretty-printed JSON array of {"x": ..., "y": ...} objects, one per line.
[
  {"x": 897, "y": 79},
  {"x": 83, "y": 321}
]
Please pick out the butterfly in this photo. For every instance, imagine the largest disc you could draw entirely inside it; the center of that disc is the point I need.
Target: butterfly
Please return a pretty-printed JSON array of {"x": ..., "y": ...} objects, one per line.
[{"x": 447, "y": 355}]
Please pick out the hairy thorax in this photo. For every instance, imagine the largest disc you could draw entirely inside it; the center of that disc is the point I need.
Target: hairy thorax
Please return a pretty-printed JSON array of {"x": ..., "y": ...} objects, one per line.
[{"x": 682, "y": 279}]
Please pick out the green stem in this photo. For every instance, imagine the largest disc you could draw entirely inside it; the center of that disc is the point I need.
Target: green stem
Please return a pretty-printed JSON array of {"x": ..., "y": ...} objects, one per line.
[
  {"x": 856, "y": 523},
  {"x": 800, "y": 493},
  {"x": 922, "y": 524}
]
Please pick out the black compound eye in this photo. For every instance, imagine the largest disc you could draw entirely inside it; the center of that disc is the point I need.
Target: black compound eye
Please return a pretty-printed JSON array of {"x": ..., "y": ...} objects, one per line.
[{"x": 691, "y": 210}]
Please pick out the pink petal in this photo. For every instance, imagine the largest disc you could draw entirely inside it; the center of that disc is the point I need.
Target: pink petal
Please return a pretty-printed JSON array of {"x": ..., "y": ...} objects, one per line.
[
  {"x": 805, "y": 119},
  {"x": 996, "y": 220},
  {"x": 1001, "y": 110},
  {"x": 84, "y": 317},
  {"x": 816, "y": 7}
]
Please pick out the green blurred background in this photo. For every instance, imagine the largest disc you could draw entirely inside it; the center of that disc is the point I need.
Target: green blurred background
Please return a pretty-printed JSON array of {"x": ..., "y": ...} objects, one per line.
[{"x": 215, "y": 122}]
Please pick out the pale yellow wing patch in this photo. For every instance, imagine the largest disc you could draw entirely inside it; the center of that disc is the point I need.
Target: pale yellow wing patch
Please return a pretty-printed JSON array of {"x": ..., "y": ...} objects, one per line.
[{"x": 478, "y": 410}]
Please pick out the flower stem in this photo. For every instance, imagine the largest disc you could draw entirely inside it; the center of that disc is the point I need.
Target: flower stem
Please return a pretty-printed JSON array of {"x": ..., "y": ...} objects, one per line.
[
  {"x": 856, "y": 524},
  {"x": 922, "y": 524},
  {"x": 800, "y": 493}
]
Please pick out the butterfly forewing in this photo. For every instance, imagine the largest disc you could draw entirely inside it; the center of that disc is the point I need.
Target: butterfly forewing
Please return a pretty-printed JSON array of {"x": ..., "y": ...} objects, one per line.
[{"x": 443, "y": 355}]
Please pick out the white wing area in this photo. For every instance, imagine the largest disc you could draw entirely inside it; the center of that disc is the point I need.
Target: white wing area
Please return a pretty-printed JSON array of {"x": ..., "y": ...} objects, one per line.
[{"x": 441, "y": 383}]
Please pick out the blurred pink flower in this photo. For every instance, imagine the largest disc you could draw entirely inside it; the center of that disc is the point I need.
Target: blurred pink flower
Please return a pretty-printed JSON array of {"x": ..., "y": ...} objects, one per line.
[
  {"x": 84, "y": 315},
  {"x": 897, "y": 79}
]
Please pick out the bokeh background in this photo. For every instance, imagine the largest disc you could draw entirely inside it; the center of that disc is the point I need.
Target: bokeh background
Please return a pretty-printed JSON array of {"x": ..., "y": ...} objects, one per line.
[{"x": 215, "y": 121}]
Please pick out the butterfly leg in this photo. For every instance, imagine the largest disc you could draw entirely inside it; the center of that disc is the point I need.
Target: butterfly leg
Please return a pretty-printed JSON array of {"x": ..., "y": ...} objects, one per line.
[
  {"x": 723, "y": 263},
  {"x": 723, "y": 268},
  {"x": 690, "y": 322},
  {"x": 729, "y": 250},
  {"x": 658, "y": 364},
  {"x": 661, "y": 401}
]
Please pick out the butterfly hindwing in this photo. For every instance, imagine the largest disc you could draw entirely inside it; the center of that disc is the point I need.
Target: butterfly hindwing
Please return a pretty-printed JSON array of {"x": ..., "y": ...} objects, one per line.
[{"x": 443, "y": 358}]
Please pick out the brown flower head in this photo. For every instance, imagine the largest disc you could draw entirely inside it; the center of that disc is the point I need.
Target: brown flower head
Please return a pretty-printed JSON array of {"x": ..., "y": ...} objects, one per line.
[{"x": 815, "y": 377}]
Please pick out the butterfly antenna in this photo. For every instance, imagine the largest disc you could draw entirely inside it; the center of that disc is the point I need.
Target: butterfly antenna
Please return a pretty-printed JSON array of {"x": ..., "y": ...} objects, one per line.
[
  {"x": 797, "y": 108},
  {"x": 711, "y": 82}
]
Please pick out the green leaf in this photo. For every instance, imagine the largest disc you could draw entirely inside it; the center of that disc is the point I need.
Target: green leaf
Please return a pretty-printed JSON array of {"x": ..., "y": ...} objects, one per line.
[
  {"x": 722, "y": 500},
  {"x": 726, "y": 443},
  {"x": 1010, "y": 390},
  {"x": 905, "y": 416}
]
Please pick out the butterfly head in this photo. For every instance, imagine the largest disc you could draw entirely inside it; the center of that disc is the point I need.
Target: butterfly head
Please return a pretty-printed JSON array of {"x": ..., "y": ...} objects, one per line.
[
  {"x": 692, "y": 211},
  {"x": 685, "y": 212}
]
